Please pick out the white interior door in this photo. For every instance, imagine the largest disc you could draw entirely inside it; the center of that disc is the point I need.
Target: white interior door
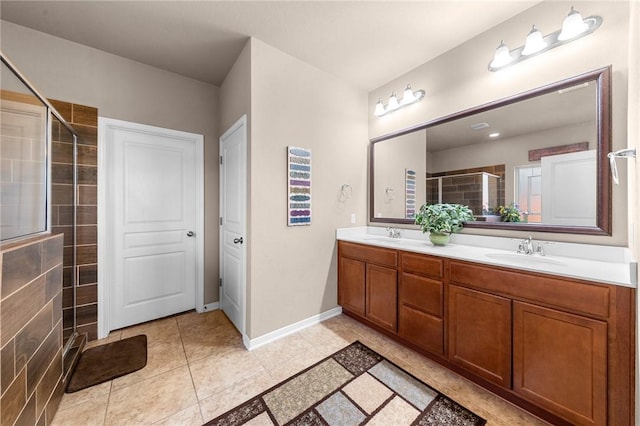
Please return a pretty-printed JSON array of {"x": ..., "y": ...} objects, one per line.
[
  {"x": 154, "y": 222},
  {"x": 233, "y": 239},
  {"x": 569, "y": 189}
]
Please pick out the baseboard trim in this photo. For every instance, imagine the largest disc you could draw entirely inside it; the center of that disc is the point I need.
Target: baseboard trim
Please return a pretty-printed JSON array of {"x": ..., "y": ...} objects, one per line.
[
  {"x": 252, "y": 344},
  {"x": 211, "y": 306}
]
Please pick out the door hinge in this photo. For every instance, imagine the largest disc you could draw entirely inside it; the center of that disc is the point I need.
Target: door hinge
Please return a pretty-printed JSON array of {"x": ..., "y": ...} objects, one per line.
[
  {"x": 220, "y": 282},
  {"x": 221, "y": 159},
  {"x": 220, "y": 221}
]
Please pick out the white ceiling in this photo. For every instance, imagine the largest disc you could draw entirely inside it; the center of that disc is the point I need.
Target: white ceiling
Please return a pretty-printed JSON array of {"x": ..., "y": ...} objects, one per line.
[{"x": 366, "y": 43}]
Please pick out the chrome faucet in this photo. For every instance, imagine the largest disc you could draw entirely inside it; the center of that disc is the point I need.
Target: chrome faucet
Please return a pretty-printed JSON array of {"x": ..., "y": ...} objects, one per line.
[
  {"x": 393, "y": 232},
  {"x": 527, "y": 246}
]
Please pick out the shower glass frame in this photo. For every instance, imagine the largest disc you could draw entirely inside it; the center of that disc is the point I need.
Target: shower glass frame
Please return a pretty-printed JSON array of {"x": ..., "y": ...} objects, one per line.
[{"x": 51, "y": 116}]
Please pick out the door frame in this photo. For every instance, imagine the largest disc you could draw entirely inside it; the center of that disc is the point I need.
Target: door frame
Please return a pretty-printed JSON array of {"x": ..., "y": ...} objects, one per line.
[
  {"x": 105, "y": 225},
  {"x": 241, "y": 125}
]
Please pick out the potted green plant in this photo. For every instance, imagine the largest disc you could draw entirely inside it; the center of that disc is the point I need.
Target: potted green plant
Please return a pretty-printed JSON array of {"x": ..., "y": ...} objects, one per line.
[
  {"x": 442, "y": 220},
  {"x": 510, "y": 213}
]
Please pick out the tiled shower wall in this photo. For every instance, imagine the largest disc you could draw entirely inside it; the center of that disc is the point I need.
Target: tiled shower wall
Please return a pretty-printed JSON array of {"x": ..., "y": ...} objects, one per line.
[
  {"x": 467, "y": 190},
  {"x": 31, "y": 331},
  {"x": 84, "y": 120}
]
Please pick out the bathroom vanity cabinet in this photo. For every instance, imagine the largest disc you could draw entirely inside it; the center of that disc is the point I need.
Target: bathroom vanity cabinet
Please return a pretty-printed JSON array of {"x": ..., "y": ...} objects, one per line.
[
  {"x": 560, "y": 348},
  {"x": 369, "y": 283}
]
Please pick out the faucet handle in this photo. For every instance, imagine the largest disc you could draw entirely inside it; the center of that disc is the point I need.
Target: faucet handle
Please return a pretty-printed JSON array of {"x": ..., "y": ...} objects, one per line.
[{"x": 540, "y": 247}]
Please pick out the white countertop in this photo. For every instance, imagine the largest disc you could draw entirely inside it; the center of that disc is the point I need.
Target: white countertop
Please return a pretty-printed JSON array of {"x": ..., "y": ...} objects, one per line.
[{"x": 602, "y": 264}]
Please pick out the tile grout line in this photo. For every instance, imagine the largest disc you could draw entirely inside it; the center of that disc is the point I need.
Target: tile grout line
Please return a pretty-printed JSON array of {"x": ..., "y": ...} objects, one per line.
[
  {"x": 193, "y": 384},
  {"x": 106, "y": 408}
]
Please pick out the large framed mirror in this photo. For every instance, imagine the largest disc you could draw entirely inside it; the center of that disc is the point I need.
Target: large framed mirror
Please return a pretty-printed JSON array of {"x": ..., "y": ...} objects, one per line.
[{"x": 541, "y": 154}]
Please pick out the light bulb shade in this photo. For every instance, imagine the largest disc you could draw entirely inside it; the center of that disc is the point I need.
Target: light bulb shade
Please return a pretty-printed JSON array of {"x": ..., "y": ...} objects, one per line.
[
  {"x": 408, "y": 97},
  {"x": 534, "y": 42},
  {"x": 393, "y": 102},
  {"x": 572, "y": 26},
  {"x": 502, "y": 56},
  {"x": 379, "y": 108}
]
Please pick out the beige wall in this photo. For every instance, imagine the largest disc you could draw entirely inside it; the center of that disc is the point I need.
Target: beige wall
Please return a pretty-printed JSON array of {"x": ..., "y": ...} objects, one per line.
[
  {"x": 126, "y": 90},
  {"x": 459, "y": 79},
  {"x": 235, "y": 99},
  {"x": 235, "y": 91},
  {"x": 293, "y": 269}
]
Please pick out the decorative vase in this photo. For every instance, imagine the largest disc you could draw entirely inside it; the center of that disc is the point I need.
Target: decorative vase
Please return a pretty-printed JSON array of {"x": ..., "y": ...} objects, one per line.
[{"x": 439, "y": 239}]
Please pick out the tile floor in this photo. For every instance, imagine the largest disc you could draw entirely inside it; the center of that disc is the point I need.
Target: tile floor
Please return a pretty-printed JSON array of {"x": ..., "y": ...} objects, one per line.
[{"x": 197, "y": 369}]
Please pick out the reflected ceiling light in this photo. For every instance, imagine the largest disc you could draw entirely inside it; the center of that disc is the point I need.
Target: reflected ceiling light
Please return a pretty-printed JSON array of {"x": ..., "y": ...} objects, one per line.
[
  {"x": 572, "y": 88},
  {"x": 479, "y": 126},
  {"x": 494, "y": 135},
  {"x": 409, "y": 96},
  {"x": 573, "y": 28}
]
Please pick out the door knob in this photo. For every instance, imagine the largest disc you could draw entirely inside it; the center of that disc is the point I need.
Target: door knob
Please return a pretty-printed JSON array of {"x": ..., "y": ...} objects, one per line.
[
  {"x": 190, "y": 234},
  {"x": 238, "y": 240}
]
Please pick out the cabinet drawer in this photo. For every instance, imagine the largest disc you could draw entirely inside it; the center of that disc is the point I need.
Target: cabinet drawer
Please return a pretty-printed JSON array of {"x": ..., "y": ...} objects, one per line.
[
  {"x": 422, "y": 330},
  {"x": 421, "y": 264},
  {"x": 422, "y": 293},
  {"x": 561, "y": 293},
  {"x": 368, "y": 254}
]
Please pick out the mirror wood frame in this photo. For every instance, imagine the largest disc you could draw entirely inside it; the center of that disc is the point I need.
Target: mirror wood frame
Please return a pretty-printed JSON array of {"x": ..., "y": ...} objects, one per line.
[{"x": 602, "y": 77}]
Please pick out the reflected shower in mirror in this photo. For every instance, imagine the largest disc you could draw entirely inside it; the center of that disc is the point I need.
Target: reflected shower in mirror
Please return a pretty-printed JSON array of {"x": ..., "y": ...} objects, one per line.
[
  {"x": 540, "y": 152},
  {"x": 23, "y": 159}
]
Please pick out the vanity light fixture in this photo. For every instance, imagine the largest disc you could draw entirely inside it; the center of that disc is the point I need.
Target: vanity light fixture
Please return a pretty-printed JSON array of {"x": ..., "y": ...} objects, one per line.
[
  {"x": 573, "y": 28},
  {"x": 534, "y": 42},
  {"x": 408, "y": 97}
]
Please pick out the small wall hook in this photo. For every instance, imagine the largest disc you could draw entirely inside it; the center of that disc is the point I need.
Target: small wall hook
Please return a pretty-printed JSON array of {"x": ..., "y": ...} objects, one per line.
[
  {"x": 345, "y": 192},
  {"x": 389, "y": 194}
]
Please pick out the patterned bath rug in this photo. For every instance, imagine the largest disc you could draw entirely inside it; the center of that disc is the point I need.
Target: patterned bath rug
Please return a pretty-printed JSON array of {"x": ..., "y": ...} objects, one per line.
[{"x": 351, "y": 387}]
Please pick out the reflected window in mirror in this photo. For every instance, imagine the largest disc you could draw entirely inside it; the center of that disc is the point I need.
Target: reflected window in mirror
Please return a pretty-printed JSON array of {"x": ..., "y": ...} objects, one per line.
[{"x": 542, "y": 151}]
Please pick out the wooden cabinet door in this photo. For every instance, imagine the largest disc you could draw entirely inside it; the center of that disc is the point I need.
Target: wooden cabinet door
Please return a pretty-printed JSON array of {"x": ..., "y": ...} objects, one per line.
[
  {"x": 351, "y": 285},
  {"x": 560, "y": 363},
  {"x": 480, "y": 334},
  {"x": 382, "y": 296}
]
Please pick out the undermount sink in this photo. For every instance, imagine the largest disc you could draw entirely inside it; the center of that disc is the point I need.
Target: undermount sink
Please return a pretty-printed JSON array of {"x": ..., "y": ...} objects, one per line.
[
  {"x": 399, "y": 241},
  {"x": 377, "y": 238},
  {"x": 525, "y": 259}
]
